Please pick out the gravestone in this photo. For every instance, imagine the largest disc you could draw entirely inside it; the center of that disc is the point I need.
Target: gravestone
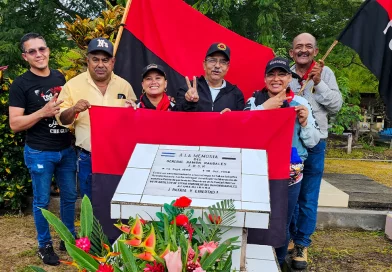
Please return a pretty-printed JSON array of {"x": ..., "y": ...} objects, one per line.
[{"x": 158, "y": 174}]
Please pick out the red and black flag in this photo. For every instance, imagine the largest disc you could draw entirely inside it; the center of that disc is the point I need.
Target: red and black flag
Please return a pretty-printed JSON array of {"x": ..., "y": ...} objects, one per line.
[
  {"x": 115, "y": 132},
  {"x": 369, "y": 33},
  {"x": 173, "y": 34}
]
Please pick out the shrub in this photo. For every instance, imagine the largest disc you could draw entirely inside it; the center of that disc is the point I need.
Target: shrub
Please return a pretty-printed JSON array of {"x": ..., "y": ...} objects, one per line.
[
  {"x": 350, "y": 113},
  {"x": 15, "y": 180}
]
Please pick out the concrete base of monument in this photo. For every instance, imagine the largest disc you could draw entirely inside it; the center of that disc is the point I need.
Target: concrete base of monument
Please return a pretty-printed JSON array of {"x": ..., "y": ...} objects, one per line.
[
  {"x": 158, "y": 174},
  {"x": 251, "y": 258},
  {"x": 388, "y": 226},
  {"x": 330, "y": 196}
]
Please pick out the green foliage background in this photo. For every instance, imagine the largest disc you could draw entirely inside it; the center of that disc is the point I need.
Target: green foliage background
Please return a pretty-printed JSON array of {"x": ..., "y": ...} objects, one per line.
[
  {"x": 273, "y": 23},
  {"x": 15, "y": 181}
]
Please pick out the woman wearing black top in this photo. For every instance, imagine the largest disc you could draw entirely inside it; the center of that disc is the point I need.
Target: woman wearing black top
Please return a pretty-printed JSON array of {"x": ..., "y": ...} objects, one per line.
[{"x": 154, "y": 95}]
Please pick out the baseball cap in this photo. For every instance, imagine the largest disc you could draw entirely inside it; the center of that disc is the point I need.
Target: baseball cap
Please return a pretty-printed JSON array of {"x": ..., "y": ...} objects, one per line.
[
  {"x": 100, "y": 44},
  {"x": 154, "y": 67},
  {"x": 219, "y": 47},
  {"x": 278, "y": 62}
]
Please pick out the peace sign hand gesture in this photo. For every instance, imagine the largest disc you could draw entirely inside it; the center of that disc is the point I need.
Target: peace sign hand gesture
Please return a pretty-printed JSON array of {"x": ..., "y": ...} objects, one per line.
[
  {"x": 52, "y": 107},
  {"x": 276, "y": 101},
  {"x": 191, "y": 95}
]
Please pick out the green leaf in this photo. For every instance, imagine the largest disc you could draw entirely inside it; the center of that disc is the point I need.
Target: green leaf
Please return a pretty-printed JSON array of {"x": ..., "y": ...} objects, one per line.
[
  {"x": 199, "y": 232},
  {"x": 59, "y": 227},
  {"x": 86, "y": 218},
  {"x": 203, "y": 258},
  {"x": 169, "y": 209},
  {"x": 159, "y": 215},
  {"x": 81, "y": 257},
  {"x": 196, "y": 250},
  {"x": 36, "y": 268},
  {"x": 159, "y": 259},
  {"x": 193, "y": 221},
  {"x": 184, "y": 249},
  {"x": 228, "y": 262},
  {"x": 97, "y": 237},
  {"x": 128, "y": 258},
  {"x": 166, "y": 229}
]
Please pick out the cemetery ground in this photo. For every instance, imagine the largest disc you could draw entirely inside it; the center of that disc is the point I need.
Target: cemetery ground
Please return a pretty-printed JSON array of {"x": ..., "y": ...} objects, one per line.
[
  {"x": 332, "y": 250},
  {"x": 336, "y": 250}
]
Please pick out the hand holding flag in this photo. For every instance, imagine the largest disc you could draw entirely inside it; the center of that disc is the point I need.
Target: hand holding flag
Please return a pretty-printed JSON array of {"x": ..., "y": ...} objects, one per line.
[{"x": 315, "y": 73}]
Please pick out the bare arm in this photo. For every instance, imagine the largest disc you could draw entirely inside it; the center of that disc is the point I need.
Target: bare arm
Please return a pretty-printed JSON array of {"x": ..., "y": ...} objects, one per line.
[
  {"x": 69, "y": 115},
  {"x": 20, "y": 122}
]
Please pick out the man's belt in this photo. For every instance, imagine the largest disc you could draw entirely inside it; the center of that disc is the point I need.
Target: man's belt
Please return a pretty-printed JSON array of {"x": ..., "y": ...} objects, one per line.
[{"x": 83, "y": 150}]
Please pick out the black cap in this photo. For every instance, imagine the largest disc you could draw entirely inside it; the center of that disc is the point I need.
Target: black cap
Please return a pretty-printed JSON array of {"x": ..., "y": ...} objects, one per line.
[
  {"x": 100, "y": 44},
  {"x": 154, "y": 67},
  {"x": 219, "y": 47},
  {"x": 278, "y": 62}
]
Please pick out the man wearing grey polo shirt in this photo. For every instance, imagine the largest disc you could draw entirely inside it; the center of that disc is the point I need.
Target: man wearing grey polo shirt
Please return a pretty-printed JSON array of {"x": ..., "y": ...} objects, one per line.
[{"x": 322, "y": 92}]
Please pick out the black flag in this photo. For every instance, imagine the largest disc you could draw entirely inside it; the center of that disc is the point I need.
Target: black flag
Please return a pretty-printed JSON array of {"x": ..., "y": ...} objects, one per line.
[{"x": 369, "y": 33}]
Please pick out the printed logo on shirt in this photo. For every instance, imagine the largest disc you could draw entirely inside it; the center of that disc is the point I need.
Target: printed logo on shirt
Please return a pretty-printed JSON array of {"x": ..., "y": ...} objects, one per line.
[
  {"x": 56, "y": 129},
  {"x": 47, "y": 95}
]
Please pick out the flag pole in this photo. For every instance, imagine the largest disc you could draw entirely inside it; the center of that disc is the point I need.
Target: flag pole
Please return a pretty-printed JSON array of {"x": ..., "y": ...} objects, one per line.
[
  {"x": 323, "y": 59},
  {"x": 121, "y": 29}
]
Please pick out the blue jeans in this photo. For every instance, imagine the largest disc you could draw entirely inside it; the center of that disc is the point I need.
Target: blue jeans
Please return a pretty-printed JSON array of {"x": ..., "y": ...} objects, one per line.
[
  {"x": 305, "y": 216},
  {"x": 42, "y": 166},
  {"x": 292, "y": 201},
  {"x": 84, "y": 174}
]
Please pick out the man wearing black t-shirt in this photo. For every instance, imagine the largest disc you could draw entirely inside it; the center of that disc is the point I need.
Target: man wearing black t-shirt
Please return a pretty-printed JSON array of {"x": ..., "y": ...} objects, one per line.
[{"x": 33, "y": 105}]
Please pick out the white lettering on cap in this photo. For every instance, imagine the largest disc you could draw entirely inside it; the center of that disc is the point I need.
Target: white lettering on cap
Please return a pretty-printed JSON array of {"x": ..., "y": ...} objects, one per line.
[
  {"x": 102, "y": 43},
  {"x": 152, "y": 66},
  {"x": 278, "y": 61}
]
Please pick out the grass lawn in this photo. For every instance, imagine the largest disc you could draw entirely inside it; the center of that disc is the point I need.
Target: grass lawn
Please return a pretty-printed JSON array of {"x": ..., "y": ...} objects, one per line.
[
  {"x": 381, "y": 172},
  {"x": 332, "y": 250}
]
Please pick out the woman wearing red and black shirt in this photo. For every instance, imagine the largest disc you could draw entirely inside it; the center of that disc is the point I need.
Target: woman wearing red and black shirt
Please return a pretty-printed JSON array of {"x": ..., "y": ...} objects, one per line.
[{"x": 154, "y": 95}]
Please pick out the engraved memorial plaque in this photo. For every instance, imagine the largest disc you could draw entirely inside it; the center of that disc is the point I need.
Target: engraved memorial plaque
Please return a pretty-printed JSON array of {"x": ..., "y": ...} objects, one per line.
[{"x": 197, "y": 174}]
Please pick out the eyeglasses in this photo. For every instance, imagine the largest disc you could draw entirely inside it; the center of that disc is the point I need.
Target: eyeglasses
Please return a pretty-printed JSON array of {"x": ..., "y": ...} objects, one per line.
[
  {"x": 214, "y": 61},
  {"x": 33, "y": 52},
  {"x": 279, "y": 74}
]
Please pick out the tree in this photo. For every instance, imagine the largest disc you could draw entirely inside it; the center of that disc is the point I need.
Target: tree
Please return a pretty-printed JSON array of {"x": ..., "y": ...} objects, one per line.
[
  {"x": 19, "y": 17},
  {"x": 276, "y": 23}
]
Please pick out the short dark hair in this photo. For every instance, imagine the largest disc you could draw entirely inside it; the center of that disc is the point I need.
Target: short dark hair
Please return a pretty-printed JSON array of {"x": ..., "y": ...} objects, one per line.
[{"x": 29, "y": 36}]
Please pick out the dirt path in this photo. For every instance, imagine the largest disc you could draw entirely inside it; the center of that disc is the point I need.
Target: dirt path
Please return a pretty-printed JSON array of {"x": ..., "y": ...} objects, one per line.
[{"x": 333, "y": 250}]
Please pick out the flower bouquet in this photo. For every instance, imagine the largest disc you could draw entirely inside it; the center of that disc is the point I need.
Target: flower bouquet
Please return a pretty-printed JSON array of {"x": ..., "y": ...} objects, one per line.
[{"x": 178, "y": 242}]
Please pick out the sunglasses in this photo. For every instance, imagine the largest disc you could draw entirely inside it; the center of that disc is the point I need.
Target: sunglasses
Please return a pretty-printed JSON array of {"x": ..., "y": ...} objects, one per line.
[{"x": 33, "y": 52}]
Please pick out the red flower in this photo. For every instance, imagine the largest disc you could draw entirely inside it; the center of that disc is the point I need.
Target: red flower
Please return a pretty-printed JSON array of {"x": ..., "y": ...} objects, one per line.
[
  {"x": 83, "y": 243},
  {"x": 156, "y": 267},
  {"x": 191, "y": 254},
  {"x": 190, "y": 230},
  {"x": 182, "y": 202},
  {"x": 215, "y": 219},
  {"x": 181, "y": 220},
  {"x": 191, "y": 266},
  {"x": 105, "y": 268},
  {"x": 143, "y": 221}
]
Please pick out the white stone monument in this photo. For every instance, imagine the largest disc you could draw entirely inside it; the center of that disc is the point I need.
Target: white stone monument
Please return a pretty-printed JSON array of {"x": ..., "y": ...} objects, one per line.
[{"x": 158, "y": 174}]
